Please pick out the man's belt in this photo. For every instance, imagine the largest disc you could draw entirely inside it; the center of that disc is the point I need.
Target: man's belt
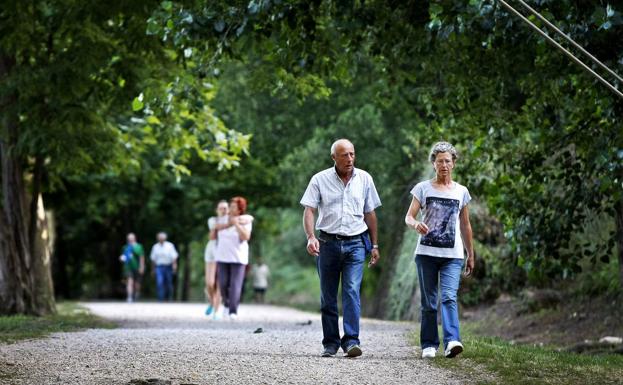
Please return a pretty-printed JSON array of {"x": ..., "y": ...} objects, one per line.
[{"x": 337, "y": 237}]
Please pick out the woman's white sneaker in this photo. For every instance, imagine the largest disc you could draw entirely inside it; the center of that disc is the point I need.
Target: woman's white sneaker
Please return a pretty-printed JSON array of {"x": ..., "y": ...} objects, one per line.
[
  {"x": 429, "y": 353},
  {"x": 453, "y": 349}
]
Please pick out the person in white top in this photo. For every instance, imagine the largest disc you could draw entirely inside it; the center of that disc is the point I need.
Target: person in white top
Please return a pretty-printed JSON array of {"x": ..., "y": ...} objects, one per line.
[
  {"x": 260, "y": 273},
  {"x": 213, "y": 293},
  {"x": 346, "y": 199},
  {"x": 232, "y": 254},
  {"x": 440, "y": 248},
  {"x": 164, "y": 258}
]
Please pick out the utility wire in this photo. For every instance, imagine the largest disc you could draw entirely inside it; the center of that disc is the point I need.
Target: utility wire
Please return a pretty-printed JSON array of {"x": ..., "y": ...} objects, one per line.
[
  {"x": 563, "y": 49},
  {"x": 570, "y": 40}
]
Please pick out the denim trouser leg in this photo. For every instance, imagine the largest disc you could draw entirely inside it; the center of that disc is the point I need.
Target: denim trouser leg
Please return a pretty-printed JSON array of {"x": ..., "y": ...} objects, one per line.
[
  {"x": 345, "y": 259},
  {"x": 164, "y": 282},
  {"x": 427, "y": 275},
  {"x": 352, "y": 274},
  {"x": 169, "y": 282},
  {"x": 432, "y": 273},
  {"x": 329, "y": 272},
  {"x": 449, "y": 278}
]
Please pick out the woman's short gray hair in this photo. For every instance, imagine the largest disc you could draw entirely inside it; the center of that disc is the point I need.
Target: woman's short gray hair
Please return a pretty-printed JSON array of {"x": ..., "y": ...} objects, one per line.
[{"x": 440, "y": 147}]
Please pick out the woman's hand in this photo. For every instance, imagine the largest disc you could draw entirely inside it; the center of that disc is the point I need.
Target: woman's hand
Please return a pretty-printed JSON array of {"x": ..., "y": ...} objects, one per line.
[
  {"x": 469, "y": 266},
  {"x": 412, "y": 213},
  {"x": 233, "y": 220},
  {"x": 421, "y": 228}
]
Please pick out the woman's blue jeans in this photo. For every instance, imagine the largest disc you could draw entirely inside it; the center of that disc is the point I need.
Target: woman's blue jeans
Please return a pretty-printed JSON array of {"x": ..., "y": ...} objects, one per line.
[
  {"x": 340, "y": 259},
  {"x": 434, "y": 273}
]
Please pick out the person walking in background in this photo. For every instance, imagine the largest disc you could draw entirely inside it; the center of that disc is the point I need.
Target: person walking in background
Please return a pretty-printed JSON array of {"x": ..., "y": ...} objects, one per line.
[
  {"x": 260, "y": 273},
  {"x": 232, "y": 254},
  {"x": 345, "y": 198},
  {"x": 440, "y": 249},
  {"x": 164, "y": 257},
  {"x": 133, "y": 258},
  {"x": 213, "y": 292}
]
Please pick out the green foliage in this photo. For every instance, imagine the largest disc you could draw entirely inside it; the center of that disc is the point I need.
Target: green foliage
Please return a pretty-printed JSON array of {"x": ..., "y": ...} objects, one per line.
[
  {"x": 76, "y": 68},
  {"x": 166, "y": 88},
  {"x": 404, "y": 283},
  {"x": 69, "y": 317},
  {"x": 601, "y": 279},
  {"x": 506, "y": 363},
  {"x": 281, "y": 244}
]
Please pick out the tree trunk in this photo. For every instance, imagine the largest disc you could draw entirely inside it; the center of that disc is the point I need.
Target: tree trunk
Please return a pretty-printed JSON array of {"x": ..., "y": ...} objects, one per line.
[
  {"x": 186, "y": 278},
  {"x": 619, "y": 237},
  {"x": 42, "y": 246},
  {"x": 16, "y": 284},
  {"x": 391, "y": 246},
  {"x": 25, "y": 281}
]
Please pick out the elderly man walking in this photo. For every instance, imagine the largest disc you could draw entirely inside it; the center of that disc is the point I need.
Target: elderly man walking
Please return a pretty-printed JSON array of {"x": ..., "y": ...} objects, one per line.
[
  {"x": 345, "y": 198},
  {"x": 164, "y": 257}
]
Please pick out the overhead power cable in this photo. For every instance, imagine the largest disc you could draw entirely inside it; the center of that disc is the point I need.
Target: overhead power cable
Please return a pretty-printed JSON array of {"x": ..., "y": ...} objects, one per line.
[{"x": 563, "y": 49}]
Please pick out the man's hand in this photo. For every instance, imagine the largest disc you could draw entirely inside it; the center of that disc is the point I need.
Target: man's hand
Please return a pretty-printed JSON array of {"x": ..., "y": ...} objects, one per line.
[
  {"x": 141, "y": 270},
  {"x": 313, "y": 246},
  {"x": 174, "y": 267},
  {"x": 374, "y": 257},
  {"x": 469, "y": 266}
]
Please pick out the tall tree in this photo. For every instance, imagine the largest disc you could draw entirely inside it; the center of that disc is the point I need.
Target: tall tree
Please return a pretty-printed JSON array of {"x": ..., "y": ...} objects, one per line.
[
  {"x": 71, "y": 70},
  {"x": 477, "y": 75}
]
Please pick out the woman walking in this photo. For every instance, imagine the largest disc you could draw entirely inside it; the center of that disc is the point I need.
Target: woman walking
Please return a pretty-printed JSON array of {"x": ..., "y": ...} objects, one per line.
[
  {"x": 440, "y": 248},
  {"x": 213, "y": 293},
  {"x": 232, "y": 254}
]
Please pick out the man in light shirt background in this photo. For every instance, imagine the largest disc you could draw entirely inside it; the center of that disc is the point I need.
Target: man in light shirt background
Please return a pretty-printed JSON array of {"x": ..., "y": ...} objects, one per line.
[
  {"x": 164, "y": 258},
  {"x": 345, "y": 198}
]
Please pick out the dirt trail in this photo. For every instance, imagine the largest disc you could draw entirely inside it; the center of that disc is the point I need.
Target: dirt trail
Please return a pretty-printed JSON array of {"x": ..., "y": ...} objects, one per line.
[{"x": 178, "y": 345}]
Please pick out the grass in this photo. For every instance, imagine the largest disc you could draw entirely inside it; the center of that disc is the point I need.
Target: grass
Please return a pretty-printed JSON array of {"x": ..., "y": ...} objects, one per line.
[
  {"x": 488, "y": 360},
  {"x": 69, "y": 317}
]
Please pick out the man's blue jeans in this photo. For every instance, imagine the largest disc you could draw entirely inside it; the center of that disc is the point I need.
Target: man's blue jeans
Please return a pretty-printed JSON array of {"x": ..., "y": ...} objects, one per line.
[
  {"x": 340, "y": 259},
  {"x": 434, "y": 272},
  {"x": 164, "y": 282}
]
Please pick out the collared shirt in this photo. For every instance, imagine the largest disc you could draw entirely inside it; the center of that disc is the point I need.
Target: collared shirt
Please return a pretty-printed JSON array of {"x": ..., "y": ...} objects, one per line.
[
  {"x": 163, "y": 253},
  {"x": 341, "y": 207}
]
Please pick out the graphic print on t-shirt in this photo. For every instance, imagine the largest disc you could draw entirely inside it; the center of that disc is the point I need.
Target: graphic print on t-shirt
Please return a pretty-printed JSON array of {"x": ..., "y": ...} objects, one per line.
[{"x": 441, "y": 214}]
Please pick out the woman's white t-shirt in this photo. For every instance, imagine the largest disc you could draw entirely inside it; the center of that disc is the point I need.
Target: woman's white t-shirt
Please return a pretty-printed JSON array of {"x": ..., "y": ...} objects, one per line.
[
  {"x": 230, "y": 249},
  {"x": 210, "y": 250},
  {"x": 440, "y": 210}
]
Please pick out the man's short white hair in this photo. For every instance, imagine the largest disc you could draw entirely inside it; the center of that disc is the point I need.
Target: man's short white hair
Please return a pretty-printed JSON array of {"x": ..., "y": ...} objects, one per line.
[{"x": 337, "y": 142}]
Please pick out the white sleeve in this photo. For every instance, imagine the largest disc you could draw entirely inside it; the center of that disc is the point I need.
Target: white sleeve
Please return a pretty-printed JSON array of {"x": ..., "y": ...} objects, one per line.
[
  {"x": 372, "y": 199},
  {"x": 466, "y": 198},
  {"x": 311, "y": 198},
  {"x": 418, "y": 193},
  {"x": 211, "y": 223}
]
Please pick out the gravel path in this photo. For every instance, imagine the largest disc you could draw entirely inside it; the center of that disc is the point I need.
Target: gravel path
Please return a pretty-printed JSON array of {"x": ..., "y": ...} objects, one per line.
[{"x": 178, "y": 345}]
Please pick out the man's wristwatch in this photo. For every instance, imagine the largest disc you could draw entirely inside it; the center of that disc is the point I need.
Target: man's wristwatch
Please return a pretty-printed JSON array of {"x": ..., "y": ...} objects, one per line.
[{"x": 375, "y": 247}]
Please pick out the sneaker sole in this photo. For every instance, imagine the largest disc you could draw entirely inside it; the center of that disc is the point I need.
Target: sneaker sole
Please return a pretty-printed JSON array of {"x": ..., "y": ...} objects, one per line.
[
  {"x": 455, "y": 351},
  {"x": 353, "y": 352},
  {"x": 327, "y": 355}
]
